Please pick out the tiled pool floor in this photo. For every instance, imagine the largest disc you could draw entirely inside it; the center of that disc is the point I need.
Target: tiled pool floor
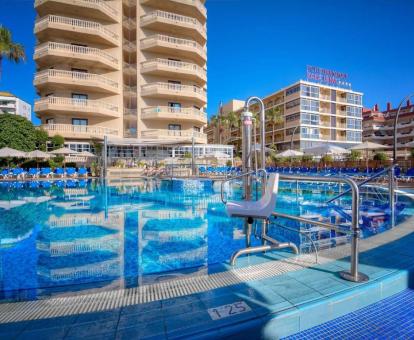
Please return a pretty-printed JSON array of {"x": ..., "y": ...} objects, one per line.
[
  {"x": 278, "y": 305},
  {"x": 391, "y": 318}
]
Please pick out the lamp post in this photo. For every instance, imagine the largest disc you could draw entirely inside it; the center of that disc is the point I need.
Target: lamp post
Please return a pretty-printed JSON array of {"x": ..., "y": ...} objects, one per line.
[
  {"x": 291, "y": 138},
  {"x": 391, "y": 178}
]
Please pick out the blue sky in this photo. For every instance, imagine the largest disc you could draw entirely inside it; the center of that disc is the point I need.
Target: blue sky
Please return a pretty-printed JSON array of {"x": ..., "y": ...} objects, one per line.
[{"x": 257, "y": 47}]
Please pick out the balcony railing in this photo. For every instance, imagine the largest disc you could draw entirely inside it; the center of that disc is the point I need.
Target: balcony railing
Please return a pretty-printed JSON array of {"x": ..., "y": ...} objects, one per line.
[
  {"x": 80, "y": 26},
  {"x": 162, "y": 133},
  {"x": 151, "y": 111},
  {"x": 196, "y": 3},
  {"x": 68, "y": 129},
  {"x": 75, "y": 104},
  {"x": 175, "y": 19},
  {"x": 129, "y": 45},
  {"x": 129, "y": 23},
  {"x": 175, "y": 65},
  {"x": 75, "y": 50},
  {"x": 101, "y": 5},
  {"x": 81, "y": 78},
  {"x": 184, "y": 89},
  {"x": 130, "y": 68},
  {"x": 175, "y": 42},
  {"x": 130, "y": 90}
]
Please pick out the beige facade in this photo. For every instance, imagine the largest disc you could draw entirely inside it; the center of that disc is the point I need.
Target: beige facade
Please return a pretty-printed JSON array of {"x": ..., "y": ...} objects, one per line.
[
  {"x": 131, "y": 68},
  {"x": 314, "y": 113}
]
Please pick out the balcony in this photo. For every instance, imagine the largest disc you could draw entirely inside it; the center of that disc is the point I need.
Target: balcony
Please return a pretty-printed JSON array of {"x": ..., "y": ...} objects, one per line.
[
  {"x": 181, "y": 48},
  {"x": 178, "y": 135},
  {"x": 53, "y": 53},
  {"x": 130, "y": 69},
  {"x": 129, "y": 23},
  {"x": 60, "y": 79},
  {"x": 130, "y": 91},
  {"x": 194, "y": 8},
  {"x": 175, "y": 91},
  {"x": 130, "y": 114},
  {"x": 94, "y": 9},
  {"x": 172, "y": 68},
  {"x": 129, "y": 46},
  {"x": 177, "y": 114},
  {"x": 78, "y": 131},
  {"x": 85, "y": 107},
  {"x": 175, "y": 23},
  {"x": 74, "y": 30}
]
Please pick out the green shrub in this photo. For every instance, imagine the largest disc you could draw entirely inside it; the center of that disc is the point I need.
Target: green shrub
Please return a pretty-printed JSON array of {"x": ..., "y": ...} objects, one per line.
[
  {"x": 380, "y": 156},
  {"x": 17, "y": 132},
  {"x": 57, "y": 142},
  {"x": 327, "y": 159},
  {"x": 187, "y": 154},
  {"x": 41, "y": 139},
  {"x": 354, "y": 155}
]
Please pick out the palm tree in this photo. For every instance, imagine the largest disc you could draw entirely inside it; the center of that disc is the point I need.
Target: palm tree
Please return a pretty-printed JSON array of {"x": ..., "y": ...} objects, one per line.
[
  {"x": 232, "y": 121},
  {"x": 9, "y": 49},
  {"x": 214, "y": 122},
  {"x": 275, "y": 117}
]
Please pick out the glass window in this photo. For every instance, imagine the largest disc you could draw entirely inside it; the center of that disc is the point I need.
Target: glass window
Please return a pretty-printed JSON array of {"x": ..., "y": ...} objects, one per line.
[
  {"x": 354, "y": 111},
  {"x": 293, "y": 117},
  {"x": 81, "y": 122},
  {"x": 308, "y": 132},
  {"x": 292, "y": 103},
  {"x": 309, "y": 105},
  {"x": 353, "y": 98},
  {"x": 174, "y": 127},
  {"x": 354, "y": 124},
  {"x": 292, "y": 90},
  {"x": 310, "y": 91},
  {"x": 309, "y": 118},
  {"x": 354, "y": 136}
]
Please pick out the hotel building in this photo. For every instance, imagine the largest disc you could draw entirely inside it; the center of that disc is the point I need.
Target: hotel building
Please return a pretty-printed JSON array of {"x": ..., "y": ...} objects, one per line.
[
  {"x": 314, "y": 113},
  {"x": 10, "y": 104},
  {"x": 378, "y": 125},
  {"x": 122, "y": 69}
]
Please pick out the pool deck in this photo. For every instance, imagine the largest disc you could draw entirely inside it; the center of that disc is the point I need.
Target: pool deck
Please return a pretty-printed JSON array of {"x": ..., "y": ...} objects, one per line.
[{"x": 283, "y": 297}]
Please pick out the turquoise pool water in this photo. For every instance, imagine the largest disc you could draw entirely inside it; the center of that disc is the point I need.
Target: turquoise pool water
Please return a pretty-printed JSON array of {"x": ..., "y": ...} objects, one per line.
[{"x": 75, "y": 235}]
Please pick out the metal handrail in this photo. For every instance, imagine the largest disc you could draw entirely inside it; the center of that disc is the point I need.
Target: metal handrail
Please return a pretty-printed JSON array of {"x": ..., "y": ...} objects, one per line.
[
  {"x": 379, "y": 174},
  {"x": 353, "y": 274},
  {"x": 237, "y": 177}
]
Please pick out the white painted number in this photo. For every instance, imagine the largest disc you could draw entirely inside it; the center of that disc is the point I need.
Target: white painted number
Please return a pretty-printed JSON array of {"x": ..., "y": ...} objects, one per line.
[{"x": 228, "y": 310}]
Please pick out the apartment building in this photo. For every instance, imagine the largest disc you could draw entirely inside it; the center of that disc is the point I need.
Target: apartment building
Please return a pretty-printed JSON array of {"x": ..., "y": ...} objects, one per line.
[
  {"x": 122, "y": 69},
  {"x": 11, "y": 104},
  {"x": 313, "y": 113},
  {"x": 378, "y": 125}
]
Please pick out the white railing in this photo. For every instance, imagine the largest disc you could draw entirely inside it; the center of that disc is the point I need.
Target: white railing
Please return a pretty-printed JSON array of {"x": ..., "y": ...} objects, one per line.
[
  {"x": 196, "y": 3},
  {"x": 87, "y": 26},
  {"x": 184, "y": 89},
  {"x": 79, "y": 129},
  {"x": 173, "y": 17},
  {"x": 176, "y": 65},
  {"x": 174, "y": 41},
  {"x": 77, "y": 104},
  {"x": 98, "y": 4},
  {"x": 173, "y": 133},
  {"x": 149, "y": 111},
  {"x": 89, "y": 52},
  {"x": 82, "y": 77}
]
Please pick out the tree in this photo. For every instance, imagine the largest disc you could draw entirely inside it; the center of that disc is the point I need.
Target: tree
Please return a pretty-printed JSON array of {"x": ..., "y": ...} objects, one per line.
[
  {"x": 17, "y": 132},
  {"x": 57, "y": 142},
  {"x": 380, "y": 156},
  {"x": 10, "y": 50},
  {"x": 41, "y": 139},
  {"x": 354, "y": 155},
  {"x": 232, "y": 121},
  {"x": 275, "y": 117}
]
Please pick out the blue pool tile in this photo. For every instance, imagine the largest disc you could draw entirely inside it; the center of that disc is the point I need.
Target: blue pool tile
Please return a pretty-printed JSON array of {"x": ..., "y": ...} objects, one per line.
[
  {"x": 92, "y": 328},
  {"x": 143, "y": 307},
  {"x": 99, "y": 316},
  {"x": 132, "y": 320},
  {"x": 44, "y": 334},
  {"x": 151, "y": 330}
]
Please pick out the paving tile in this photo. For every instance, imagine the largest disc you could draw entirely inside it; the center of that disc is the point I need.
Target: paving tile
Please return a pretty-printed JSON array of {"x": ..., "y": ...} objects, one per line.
[
  {"x": 99, "y": 316},
  {"x": 132, "y": 320},
  {"x": 155, "y": 330}
]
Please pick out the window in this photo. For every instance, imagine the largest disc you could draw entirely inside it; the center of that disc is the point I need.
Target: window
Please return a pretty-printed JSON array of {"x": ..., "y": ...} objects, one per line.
[
  {"x": 79, "y": 96},
  {"x": 196, "y": 128},
  {"x": 308, "y": 132},
  {"x": 292, "y": 90},
  {"x": 310, "y": 91},
  {"x": 292, "y": 103},
  {"x": 174, "y": 107},
  {"x": 293, "y": 117},
  {"x": 175, "y": 127},
  {"x": 354, "y": 136},
  {"x": 353, "y": 111},
  {"x": 290, "y": 131},
  {"x": 77, "y": 121},
  {"x": 309, "y": 118},
  {"x": 354, "y": 124},
  {"x": 353, "y": 98},
  {"x": 309, "y": 105},
  {"x": 50, "y": 121}
]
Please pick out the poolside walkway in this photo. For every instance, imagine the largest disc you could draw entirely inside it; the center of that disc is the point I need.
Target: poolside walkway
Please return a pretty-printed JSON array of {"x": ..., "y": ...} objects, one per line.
[{"x": 258, "y": 299}]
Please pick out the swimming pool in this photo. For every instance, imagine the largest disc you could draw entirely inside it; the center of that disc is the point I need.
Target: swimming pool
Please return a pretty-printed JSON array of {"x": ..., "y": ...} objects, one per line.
[{"x": 76, "y": 235}]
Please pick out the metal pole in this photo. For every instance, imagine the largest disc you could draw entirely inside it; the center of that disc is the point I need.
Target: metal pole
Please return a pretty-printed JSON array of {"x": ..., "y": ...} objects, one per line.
[
  {"x": 391, "y": 186},
  {"x": 394, "y": 153},
  {"x": 105, "y": 156},
  {"x": 247, "y": 148},
  {"x": 192, "y": 156}
]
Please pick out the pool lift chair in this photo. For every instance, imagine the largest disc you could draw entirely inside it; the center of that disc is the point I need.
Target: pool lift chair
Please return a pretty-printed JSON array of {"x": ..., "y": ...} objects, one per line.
[{"x": 261, "y": 209}]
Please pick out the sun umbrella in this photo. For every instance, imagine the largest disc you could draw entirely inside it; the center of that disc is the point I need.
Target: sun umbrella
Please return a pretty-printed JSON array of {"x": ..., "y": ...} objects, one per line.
[
  {"x": 367, "y": 147},
  {"x": 64, "y": 151},
  {"x": 325, "y": 149},
  {"x": 257, "y": 147},
  {"x": 10, "y": 153},
  {"x": 7, "y": 205},
  {"x": 86, "y": 154},
  {"x": 290, "y": 153},
  {"x": 38, "y": 154}
]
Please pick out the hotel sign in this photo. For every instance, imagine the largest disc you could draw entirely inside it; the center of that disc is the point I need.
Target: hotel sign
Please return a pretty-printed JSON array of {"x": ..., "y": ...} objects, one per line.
[{"x": 327, "y": 77}]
